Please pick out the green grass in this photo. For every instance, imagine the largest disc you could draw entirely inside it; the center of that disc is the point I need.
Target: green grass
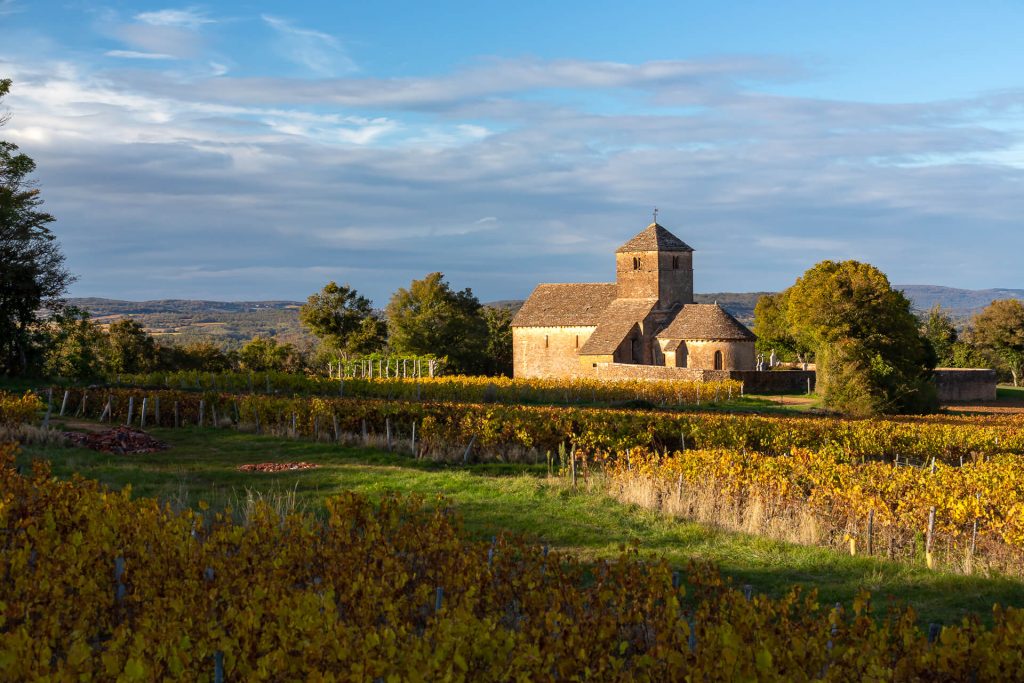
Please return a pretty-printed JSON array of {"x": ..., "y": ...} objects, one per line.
[
  {"x": 202, "y": 465},
  {"x": 1008, "y": 391}
]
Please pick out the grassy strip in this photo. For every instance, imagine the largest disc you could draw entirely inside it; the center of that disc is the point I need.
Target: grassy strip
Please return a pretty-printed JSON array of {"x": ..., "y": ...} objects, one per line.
[{"x": 202, "y": 465}]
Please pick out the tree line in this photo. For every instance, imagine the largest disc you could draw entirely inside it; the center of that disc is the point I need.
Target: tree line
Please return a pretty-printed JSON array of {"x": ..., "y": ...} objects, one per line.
[{"x": 871, "y": 352}]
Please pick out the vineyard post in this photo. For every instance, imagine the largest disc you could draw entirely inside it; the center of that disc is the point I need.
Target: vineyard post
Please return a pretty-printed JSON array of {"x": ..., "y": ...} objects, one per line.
[
  {"x": 131, "y": 410},
  {"x": 64, "y": 403},
  {"x": 119, "y": 588},
  {"x": 142, "y": 413},
  {"x": 572, "y": 465},
  {"x": 387, "y": 432},
  {"x": 974, "y": 537},
  {"x": 465, "y": 455},
  {"x": 414, "y": 438},
  {"x": 808, "y": 386},
  {"x": 365, "y": 435},
  {"x": 81, "y": 407},
  {"x": 177, "y": 422},
  {"x": 404, "y": 373},
  {"x": 679, "y": 491},
  {"x": 107, "y": 409},
  {"x": 337, "y": 436},
  {"x": 202, "y": 411},
  {"x": 871, "y": 531},
  {"x": 929, "y": 558},
  {"x": 156, "y": 411},
  {"x": 316, "y": 428},
  {"x": 438, "y": 598},
  {"x": 295, "y": 429}
]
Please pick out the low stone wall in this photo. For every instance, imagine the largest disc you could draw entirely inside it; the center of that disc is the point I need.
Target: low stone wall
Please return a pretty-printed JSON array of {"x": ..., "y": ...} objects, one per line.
[
  {"x": 774, "y": 381},
  {"x": 653, "y": 372},
  {"x": 965, "y": 384}
]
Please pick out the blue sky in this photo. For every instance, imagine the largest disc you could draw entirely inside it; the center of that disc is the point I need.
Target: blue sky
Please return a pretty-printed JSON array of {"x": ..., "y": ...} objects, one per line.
[{"x": 256, "y": 150}]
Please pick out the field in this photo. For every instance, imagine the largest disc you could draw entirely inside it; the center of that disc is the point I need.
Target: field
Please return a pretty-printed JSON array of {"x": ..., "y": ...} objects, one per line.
[{"x": 516, "y": 481}]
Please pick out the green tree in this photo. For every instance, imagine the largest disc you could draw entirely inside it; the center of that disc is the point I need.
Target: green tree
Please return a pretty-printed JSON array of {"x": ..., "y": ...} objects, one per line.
[
  {"x": 431, "y": 318},
  {"x": 861, "y": 329},
  {"x": 129, "y": 348},
  {"x": 344, "y": 320},
  {"x": 262, "y": 354},
  {"x": 999, "y": 328},
  {"x": 773, "y": 330},
  {"x": 76, "y": 346},
  {"x": 940, "y": 332},
  {"x": 499, "y": 340},
  {"x": 204, "y": 356},
  {"x": 32, "y": 274}
]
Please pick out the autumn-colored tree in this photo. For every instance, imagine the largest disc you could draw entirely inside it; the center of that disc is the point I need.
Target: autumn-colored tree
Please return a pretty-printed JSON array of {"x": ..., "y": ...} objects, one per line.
[
  {"x": 773, "y": 330},
  {"x": 871, "y": 356},
  {"x": 129, "y": 348},
  {"x": 261, "y": 354},
  {"x": 999, "y": 328}
]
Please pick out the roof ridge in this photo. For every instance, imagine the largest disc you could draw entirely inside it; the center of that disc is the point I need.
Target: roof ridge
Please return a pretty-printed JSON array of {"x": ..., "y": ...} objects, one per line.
[{"x": 654, "y": 237}]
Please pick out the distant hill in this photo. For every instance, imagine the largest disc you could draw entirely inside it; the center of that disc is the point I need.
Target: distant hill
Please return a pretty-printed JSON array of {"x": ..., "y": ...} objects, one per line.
[
  {"x": 961, "y": 304},
  {"x": 227, "y": 323}
]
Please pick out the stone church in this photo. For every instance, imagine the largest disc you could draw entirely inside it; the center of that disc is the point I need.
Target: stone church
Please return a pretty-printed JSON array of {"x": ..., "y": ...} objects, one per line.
[{"x": 643, "y": 325}]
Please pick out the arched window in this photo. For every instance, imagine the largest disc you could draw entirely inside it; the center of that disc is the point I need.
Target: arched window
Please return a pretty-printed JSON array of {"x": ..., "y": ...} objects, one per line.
[
  {"x": 545, "y": 341},
  {"x": 718, "y": 360},
  {"x": 636, "y": 263},
  {"x": 681, "y": 357}
]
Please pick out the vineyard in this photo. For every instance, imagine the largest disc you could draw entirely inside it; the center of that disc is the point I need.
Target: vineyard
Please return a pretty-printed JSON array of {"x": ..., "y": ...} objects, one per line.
[
  {"x": 515, "y": 432},
  {"x": 100, "y": 585},
  {"x": 396, "y": 386}
]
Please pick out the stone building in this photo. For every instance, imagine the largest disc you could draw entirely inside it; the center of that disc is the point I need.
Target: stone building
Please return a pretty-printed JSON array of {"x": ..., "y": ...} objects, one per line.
[{"x": 645, "y": 324}]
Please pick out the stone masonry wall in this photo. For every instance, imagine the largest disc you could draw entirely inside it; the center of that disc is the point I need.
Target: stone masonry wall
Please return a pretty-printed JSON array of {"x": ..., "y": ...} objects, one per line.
[
  {"x": 970, "y": 384},
  {"x": 549, "y": 351}
]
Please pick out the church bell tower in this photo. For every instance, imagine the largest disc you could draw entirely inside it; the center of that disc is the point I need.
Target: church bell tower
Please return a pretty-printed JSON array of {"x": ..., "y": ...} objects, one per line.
[{"x": 655, "y": 265}]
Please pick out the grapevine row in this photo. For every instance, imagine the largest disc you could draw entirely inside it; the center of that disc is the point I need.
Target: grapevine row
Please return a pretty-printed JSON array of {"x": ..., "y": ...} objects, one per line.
[{"x": 97, "y": 585}]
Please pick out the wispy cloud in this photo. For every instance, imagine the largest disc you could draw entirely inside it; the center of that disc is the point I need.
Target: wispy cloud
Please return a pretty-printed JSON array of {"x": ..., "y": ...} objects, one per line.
[
  {"x": 181, "y": 18},
  {"x": 132, "y": 54},
  {"x": 316, "y": 51}
]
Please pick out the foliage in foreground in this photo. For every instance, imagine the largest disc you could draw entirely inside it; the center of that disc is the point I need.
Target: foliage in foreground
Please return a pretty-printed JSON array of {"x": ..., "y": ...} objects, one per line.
[
  {"x": 813, "y": 498},
  {"x": 100, "y": 585}
]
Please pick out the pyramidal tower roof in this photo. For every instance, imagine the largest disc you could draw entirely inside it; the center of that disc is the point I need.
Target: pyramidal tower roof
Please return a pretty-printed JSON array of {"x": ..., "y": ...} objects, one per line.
[{"x": 654, "y": 238}]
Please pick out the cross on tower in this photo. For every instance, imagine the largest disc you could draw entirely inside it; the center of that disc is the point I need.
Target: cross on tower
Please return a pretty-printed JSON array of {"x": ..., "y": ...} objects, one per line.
[{"x": 655, "y": 214}]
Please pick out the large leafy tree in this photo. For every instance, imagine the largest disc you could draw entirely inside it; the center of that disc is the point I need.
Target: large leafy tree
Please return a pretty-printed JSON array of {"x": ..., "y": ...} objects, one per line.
[
  {"x": 499, "y": 340},
  {"x": 32, "y": 273},
  {"x": 431, "y": 318},
  {"x": 871, "y": 356},
  {"x": 76, "y": 346},
  {"x": 261, "y": 354},
  {"x": 130, "y": 348},
  {"x": 999, "y": 328},
  {"x": 940, "y": 332},
  {"x": 773, "y": 330},
  {"x": 344, "y": 320}
]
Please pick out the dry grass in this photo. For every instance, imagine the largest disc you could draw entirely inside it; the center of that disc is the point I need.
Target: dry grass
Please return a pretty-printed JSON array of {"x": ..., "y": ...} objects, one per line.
[{"x": 31, "y": 435}]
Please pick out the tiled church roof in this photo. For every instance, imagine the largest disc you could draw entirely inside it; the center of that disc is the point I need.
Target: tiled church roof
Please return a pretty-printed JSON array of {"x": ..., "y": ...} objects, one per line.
[
  {"x": 616, "y": 323},
  {"x": 705, "y": 321},
  {"x": 578, "y": 304},
  {"x": 654, "y": 238}
]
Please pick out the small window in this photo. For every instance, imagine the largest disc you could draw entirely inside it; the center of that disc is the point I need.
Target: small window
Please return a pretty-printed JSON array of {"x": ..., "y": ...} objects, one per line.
[
  {"x": 681, "y": 358},
  {"x": 675, "y": 263},
  {"x": 636, "y": 263},
  {"x": 718, "y": 360},
  {"x": 545, "y": 341},
  {"x": 577, "y": 341}
]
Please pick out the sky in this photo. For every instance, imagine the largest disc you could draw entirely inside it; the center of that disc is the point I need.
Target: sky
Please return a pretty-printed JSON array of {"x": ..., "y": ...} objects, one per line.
[{"x": 257, "y": 150}]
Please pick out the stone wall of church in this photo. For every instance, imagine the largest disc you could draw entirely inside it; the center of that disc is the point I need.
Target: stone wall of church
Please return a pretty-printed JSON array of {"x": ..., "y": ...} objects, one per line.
[
  {"x": 549, "y": 351},
  {"x": 700, "y": 355}
]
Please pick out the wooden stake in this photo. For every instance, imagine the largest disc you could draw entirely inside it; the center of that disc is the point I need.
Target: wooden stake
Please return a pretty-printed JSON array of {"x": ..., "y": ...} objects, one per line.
[
  {"x": 64, "y": 403},
  {"x": 131, "y": 410},
  {"x": 142, "y": 414},
  {"x": 414, "y": 454},
  {"x": 929, "y": 558},
  {"x": 202, "y": 412},
  {"x": 387, "y": 431},
  {"x": 871, "y": 531},
  {"x": 337, "y": 436},
  {"x": 177, "y": 421}
]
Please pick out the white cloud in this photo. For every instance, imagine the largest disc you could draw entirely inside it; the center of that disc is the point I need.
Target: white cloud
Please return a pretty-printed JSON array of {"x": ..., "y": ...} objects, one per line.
[
  {"x": 316, "y": 51},
  {"x": 132, "y": 54},
  {"x": 190, "y": 18}
]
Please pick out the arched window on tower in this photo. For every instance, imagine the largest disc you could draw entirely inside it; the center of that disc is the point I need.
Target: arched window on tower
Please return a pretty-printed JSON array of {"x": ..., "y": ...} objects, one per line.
[
  {"x": 718, "y": 360},
  {"x": 636, "y": 263}
]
